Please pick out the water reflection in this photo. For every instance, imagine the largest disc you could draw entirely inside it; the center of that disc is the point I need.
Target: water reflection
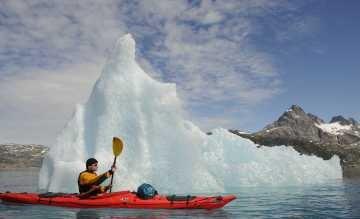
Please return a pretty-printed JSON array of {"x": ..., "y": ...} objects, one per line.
[
  {"x": 153, "y": 214},
  {"x": 352, "y": 194},
  {"x": 19, "y": 180},
  {"x": 333, "y": 199}
]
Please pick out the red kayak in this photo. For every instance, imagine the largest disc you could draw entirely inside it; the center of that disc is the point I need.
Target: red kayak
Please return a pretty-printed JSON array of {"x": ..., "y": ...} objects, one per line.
[{"x": 124, "y": 199}]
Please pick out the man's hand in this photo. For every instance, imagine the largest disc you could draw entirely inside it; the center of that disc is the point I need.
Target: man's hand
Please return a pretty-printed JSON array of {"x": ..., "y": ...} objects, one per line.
[
  {"x": 95, "y": 187},
  {"x": 107, "y": 187},
  {"x": 112, "y": 170}
]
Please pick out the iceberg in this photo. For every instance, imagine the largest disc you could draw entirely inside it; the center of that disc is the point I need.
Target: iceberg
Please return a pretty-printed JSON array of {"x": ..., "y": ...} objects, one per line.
[{"x": 161, "y": 147}]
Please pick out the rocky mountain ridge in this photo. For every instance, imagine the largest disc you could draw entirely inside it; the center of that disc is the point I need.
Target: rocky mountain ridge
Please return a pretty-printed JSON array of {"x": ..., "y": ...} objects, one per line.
[
  {"x": 21, "y": 156},
  {"x": 309, "y": 134}
]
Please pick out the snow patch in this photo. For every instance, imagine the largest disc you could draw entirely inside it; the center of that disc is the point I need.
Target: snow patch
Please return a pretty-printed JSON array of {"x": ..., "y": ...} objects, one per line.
[{"x": 334, "y": 128}]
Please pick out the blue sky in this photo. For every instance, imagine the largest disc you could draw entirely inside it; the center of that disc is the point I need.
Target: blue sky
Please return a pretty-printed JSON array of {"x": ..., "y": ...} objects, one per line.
[
  {"x": 320, "y": 70},
  {"x": 237, "y": 64}
]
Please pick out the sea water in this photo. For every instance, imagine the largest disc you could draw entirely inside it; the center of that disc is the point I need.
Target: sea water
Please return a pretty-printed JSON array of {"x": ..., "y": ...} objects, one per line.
[{"x": 333, "y": 199}]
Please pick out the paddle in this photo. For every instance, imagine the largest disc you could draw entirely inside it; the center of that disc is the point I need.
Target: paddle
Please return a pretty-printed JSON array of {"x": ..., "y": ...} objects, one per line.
[{"x": 117, "y": 149}]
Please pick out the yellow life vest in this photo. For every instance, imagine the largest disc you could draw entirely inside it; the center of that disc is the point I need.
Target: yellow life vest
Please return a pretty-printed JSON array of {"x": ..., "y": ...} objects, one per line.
[{"x": 88, "y": 179}]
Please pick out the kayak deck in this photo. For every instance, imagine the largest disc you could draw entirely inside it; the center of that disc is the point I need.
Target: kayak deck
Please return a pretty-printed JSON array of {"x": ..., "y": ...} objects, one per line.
[{"x": 123, "y": 199}]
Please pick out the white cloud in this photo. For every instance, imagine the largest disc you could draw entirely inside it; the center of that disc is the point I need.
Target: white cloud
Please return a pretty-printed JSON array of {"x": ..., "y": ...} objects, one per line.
[
  {"x": 212, "y": 17},
  {"x": 37, "y": 104},
  {"x": 58, "y": 32},
  {"x": 51, "y": 52},
  {"x": 208, "y": 59}
]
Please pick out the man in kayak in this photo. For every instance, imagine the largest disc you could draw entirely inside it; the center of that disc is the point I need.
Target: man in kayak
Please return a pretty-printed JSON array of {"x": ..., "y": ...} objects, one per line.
[{"x": 89, "y": 182}]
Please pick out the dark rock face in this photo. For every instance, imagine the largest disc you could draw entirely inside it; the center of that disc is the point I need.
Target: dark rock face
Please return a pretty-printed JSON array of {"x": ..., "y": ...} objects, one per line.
[
  {"x": 316, "y": 119},
  {"x": 308, "y": 134},
  {"x": 354, "y": 122},
  {"x": 21, "y": 156}
]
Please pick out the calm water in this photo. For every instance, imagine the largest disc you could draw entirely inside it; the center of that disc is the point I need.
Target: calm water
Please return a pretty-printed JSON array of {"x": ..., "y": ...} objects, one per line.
[{"x": 333, "y": 200}]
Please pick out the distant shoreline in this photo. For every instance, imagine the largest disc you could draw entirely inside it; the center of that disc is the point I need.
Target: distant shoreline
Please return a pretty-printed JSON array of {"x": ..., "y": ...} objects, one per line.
[
  {"x": 18, "y": 156},
  {"x": 3, "y": 169}
]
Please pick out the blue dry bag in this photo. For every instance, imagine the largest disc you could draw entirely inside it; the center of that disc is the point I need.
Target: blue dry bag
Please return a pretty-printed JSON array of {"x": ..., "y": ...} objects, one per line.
[{"x": 146, "y": 191}]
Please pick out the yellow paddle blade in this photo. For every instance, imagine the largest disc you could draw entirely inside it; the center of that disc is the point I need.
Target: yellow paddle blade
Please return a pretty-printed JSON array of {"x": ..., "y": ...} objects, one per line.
[{"x": 117, "y": 146}]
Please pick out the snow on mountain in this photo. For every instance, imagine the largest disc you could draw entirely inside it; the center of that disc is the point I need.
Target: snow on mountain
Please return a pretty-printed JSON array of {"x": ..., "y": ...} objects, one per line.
[{"x": 334, "y": 128}]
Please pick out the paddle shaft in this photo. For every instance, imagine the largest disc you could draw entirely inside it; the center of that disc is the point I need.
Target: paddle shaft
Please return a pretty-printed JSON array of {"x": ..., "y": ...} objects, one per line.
[{"x": 112, "y": 176}]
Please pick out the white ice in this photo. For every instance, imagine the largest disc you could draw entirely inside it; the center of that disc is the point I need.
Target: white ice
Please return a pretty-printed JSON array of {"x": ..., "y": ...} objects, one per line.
[{"x": 161, "y": 147}]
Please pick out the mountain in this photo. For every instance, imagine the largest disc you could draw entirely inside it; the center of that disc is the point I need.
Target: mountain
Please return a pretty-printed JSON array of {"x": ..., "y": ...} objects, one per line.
[
  {"x": 309, "y": 134},
  {"x": 21, "y": 156}
]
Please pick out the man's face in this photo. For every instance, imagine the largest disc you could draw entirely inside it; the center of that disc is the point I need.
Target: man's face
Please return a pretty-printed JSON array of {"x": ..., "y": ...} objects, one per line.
[{"x": 93, "y": 167}]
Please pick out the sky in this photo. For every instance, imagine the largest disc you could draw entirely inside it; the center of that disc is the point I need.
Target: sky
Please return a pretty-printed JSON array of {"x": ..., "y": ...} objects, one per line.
[{"x": 237, "y": 64}]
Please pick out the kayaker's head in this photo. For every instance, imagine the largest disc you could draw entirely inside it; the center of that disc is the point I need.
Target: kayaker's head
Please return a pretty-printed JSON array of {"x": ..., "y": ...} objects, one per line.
[{"x": 91, "y": 164}]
